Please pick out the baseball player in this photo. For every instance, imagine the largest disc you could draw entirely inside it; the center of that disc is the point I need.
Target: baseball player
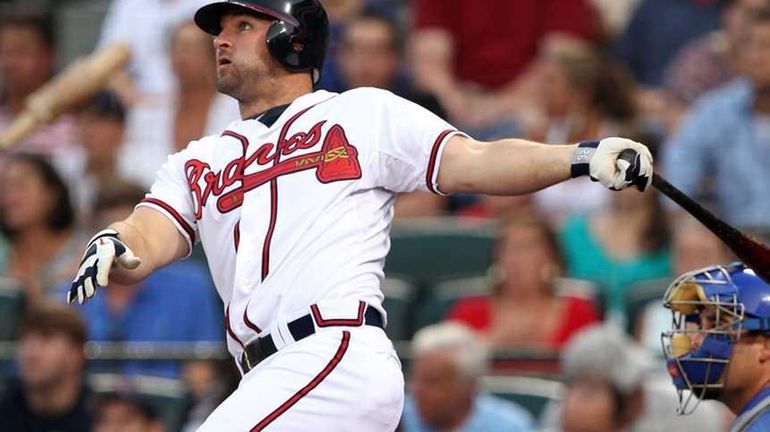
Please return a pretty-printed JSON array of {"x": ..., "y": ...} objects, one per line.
[
  {"x": 293, "y": 205},
  {"x": 719, "y": 346}
]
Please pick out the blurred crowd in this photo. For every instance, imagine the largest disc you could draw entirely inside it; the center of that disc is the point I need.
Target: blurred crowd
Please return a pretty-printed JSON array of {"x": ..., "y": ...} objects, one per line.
[{"x": 576, "y": 273}]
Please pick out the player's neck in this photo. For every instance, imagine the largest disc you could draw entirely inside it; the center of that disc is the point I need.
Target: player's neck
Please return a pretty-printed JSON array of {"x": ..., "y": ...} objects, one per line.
[
  {"x": 283, "y": 93},
  {"x": 736, "y": 400}
]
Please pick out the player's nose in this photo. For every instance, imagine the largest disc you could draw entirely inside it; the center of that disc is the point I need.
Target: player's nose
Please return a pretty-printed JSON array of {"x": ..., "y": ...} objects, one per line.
[
  {"x": 222, "y": 41},
  {"x": 696, "y": 339}
]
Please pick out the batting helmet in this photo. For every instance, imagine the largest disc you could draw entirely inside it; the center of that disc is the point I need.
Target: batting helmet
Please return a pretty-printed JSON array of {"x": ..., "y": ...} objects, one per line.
[
  {"x": 714, "y": 306},
  {"x": 298, "y": 37}
]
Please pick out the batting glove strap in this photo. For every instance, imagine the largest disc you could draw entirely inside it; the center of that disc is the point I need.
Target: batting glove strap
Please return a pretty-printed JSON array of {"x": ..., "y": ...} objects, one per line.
[
  {"x": 581, "y": 165},
  {"x": 110, "y": 233},
  {"x": 103, "y": 249}
]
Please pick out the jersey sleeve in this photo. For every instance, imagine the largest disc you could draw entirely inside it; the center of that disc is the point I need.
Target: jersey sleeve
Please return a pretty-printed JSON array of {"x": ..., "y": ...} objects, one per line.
[
  {"x": 170, "y": 195},
  {"x": 409, "y": 149}
]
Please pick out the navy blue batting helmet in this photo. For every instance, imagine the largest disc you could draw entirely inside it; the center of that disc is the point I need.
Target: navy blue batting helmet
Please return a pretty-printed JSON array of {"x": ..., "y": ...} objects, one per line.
[{"x": 298, "y": 37}]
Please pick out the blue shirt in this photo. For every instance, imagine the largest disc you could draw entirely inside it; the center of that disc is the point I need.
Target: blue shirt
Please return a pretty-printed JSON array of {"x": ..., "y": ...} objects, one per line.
[
  {"x": 761, "y": 423},
  {"x": 175, "y": 304},
  {"x": 656, "y": 32},
  {"x": 489, "y": 414},
  {"x": 719, "y": 142}
]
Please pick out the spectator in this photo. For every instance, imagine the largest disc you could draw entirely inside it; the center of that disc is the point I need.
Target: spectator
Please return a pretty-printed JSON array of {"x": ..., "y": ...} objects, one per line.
[
  {"x": 711, "y": 60},
  {"x": 720, "y": 152},
  {"x": 611, "y": 387},
  {"x": 471, "y": 54},
  {"x": 448, "y": 362},
  {"x": 617, "y": 247},
  {"x": 525, "y": 310},
  {"x": 656, "y": 33},
  {"x": 117, "y": 412},
  {"x": 693, "y": 247},
  {"x": 38, "y": 220},
  {"x": 27, "y": 61},
  {"x": 585, "y": 96},
  {"x": 369, "y": 55},
  {"x": 101, "y": 126},
  {"x": 145, "y": 25},
  {"x": 615, "y": 15},
  {"x": 51, "y": 394},
  {"x": 341, "y": 12},
  {"x": 146, "y": 311},
  {"x": 165, "y": 124}
]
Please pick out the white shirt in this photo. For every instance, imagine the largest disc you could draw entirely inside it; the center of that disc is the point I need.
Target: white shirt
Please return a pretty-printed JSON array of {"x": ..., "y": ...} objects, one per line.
[
  {"x": 147, "y": 25},
  {"x": 313, "y": 224}
]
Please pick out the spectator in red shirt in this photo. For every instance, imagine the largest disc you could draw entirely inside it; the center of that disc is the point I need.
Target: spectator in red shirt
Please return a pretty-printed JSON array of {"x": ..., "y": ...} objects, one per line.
[
  {"x": 471, "y": 53},
  {"x": 525, "y": 310}
]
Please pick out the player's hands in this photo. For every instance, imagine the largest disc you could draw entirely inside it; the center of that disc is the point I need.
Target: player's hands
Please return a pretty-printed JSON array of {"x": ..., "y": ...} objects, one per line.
[
  {"x": 104, "y": 249},
  {"x": 614, "y": 162}
]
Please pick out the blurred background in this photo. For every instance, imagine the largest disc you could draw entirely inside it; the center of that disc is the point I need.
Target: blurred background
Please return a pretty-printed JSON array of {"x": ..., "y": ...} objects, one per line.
[{"x": 539, "y": 312}]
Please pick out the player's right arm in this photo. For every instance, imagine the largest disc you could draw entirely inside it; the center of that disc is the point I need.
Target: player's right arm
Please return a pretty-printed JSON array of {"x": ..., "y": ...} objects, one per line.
[
  {"x": 127, "y": 252},
  {"x": 161, "y": 229},
  {"x": 153, "y": 239}
]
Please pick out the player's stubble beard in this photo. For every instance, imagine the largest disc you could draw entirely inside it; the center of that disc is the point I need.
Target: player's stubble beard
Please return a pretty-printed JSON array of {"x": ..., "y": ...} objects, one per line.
[{"x": 245, "y": 83}]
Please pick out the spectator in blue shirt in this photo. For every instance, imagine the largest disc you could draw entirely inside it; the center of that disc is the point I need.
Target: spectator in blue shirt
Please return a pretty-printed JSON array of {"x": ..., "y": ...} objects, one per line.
[
  {"x": 448, "y": 361},
  {"x": 659, "y": 28},
  {"x": 175, "y": 304},
  {"x": 722, "y": 150}
]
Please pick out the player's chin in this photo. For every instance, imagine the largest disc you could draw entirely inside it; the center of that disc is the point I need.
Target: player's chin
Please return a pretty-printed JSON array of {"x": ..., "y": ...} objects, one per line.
[{"x": 226, "y": 82}]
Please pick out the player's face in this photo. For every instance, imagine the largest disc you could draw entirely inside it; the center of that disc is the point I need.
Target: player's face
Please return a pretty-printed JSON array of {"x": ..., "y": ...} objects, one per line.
[{"x": 243, "y": 60}]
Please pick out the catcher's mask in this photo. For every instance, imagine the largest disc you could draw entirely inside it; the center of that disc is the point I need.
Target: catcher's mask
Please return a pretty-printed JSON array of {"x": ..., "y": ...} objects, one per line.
[{"x": 711, "y": 308}]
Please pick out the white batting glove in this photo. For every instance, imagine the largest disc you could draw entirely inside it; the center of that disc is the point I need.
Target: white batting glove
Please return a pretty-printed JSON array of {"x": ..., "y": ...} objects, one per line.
[
  {"x": 103, "y": 249},
  {"x": 602, "y": 160}
]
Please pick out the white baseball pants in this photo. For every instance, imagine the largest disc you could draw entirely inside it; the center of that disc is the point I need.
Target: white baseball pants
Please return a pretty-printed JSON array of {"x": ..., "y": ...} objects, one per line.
[{"x": 338, "y": 379}]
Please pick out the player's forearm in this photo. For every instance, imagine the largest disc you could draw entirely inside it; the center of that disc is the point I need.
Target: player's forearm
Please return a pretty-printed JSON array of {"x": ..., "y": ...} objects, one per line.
[
  {"x": 134, "y": 239},
  {"x": 505, "y": 167}
]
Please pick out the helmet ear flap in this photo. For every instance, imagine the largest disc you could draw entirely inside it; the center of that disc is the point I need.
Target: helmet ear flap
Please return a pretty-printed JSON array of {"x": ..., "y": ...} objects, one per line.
[{"x": 285, "y": 45}]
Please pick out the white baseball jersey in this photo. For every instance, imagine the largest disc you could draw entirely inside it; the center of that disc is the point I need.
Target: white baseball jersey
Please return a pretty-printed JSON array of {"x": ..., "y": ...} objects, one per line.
[{"x": 296, "y": 210}]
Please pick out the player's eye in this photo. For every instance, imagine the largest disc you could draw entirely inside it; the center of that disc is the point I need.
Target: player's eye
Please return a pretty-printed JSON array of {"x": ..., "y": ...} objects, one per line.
[{"x": 244, "y": 26}]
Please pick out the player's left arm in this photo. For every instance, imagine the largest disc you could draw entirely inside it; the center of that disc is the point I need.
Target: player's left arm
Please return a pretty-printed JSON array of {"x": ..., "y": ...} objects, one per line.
[{"x": 515, "y": 166}]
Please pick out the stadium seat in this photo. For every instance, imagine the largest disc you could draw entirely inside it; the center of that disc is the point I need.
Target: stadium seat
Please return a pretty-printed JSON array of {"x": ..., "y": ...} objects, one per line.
[
  {"x": 532, "y": 394},
  {"x": 400, "y": 294},
  {"x": 168, "y": 396},
  {"x": 439, "y": 248},
  {"x": 438, "y": 298},
  {"x": 11, "y": 307},
  {"x": 639, "y": 295}
]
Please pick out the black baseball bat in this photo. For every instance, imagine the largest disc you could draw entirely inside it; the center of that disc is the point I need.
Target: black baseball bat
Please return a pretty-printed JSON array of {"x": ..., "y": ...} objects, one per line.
[{"x": 751, "y": 251}]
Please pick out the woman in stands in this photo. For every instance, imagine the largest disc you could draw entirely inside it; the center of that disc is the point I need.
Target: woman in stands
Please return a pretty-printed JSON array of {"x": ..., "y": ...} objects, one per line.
[
  {"x": 618, "y": 247},
  {"x": 525, "y": 309},
  {"x": 37, "y": 222}
]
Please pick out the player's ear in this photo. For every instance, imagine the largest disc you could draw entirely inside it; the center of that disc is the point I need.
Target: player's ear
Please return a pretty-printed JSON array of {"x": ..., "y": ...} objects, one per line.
[{"x": 764, "y": 352}]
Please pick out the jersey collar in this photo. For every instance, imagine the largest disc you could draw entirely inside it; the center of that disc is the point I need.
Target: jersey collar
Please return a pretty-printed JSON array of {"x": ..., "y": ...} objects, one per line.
[{"x": 269, "y": 116}]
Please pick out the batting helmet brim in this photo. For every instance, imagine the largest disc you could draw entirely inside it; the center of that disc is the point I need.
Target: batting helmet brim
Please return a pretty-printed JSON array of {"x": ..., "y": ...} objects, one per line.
[{"x": 209, "y": 17}]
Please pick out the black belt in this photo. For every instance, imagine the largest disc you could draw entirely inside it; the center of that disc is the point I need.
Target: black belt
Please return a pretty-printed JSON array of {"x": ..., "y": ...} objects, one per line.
[{"x": 300, "y": 328}]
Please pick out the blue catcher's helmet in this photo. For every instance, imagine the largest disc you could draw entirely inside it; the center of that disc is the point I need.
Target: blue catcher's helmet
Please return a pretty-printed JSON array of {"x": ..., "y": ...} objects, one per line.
[{"x": 711, "y": 308}]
